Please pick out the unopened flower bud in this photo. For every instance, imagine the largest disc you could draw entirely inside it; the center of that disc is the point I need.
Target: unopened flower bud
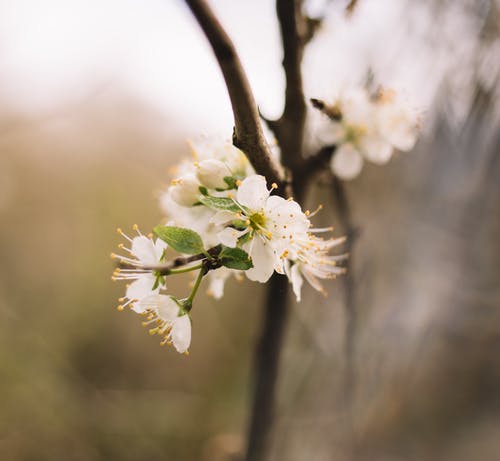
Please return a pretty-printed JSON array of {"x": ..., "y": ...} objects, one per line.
[
  {"x": 185, "y": 190},
  {"x": 211, "y": 173}
]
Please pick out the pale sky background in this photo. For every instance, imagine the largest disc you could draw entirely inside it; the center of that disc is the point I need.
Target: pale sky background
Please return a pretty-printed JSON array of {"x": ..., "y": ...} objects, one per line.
[{"x": 58, "y": 52}]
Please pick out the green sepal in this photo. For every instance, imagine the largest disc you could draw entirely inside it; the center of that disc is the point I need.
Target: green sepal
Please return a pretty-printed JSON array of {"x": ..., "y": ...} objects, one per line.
[
  {"x": 203, "y": 190},
  {"x": 159, "y": 280},
  {"x": 180, "y": 239},
  {"x": 245, "y": 238},
  {"x": 235, "y": 258},
  {"x": 239, "y": 224},
  {"x": 231, "y": 182}
]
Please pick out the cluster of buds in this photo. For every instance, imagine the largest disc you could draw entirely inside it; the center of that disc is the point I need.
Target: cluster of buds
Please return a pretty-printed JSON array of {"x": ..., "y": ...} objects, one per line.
[
  {"x": 224, "y": 220},
  {"x": 365, "y": 126}
]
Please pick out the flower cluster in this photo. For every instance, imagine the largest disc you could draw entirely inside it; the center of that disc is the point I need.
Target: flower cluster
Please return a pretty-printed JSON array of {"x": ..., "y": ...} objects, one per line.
[
  {"x": 368, "y": 127},
  {"x": 224, "y": 220}
]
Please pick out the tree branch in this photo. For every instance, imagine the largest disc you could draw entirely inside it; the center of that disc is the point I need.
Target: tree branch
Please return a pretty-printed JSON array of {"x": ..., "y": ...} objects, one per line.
[
  {"x": 345, "y": 218},
  {"x": 351, "y": 6},
  {"x": 266, "y": 358},
  {"x": 164, "y": 269},
  {"x": 248, "y": 135},
  {"x": 295, "y": 31}
]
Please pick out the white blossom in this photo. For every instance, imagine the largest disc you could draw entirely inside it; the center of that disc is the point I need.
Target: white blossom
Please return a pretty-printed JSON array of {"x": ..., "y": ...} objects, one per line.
[
  {"x": 167, "y": 320},
  {"x": 143, "y": 252},
  {"x": 269, "y": 223},
  {"x": 368, "y": 128}
]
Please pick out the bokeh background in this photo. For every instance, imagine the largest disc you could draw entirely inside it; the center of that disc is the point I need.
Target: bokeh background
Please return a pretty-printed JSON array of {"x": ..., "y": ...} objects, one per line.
[{"x": 97, "y": 100}]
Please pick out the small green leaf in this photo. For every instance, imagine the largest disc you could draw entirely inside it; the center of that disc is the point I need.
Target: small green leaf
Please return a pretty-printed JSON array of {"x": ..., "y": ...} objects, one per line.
[
  {"x": 235, "y": 258},
  {"x": 203, "y": 190},
  {"x": 180, "y": 239},
  {"x": 219, "y": 203}
]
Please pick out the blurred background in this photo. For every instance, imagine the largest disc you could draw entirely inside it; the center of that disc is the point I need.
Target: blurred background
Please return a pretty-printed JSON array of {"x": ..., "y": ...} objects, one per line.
[{"x": 97, "y": 100}]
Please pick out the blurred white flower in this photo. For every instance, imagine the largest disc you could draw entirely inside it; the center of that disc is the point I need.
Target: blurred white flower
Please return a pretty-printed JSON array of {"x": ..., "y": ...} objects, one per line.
[{"x": 368, "y": 128}]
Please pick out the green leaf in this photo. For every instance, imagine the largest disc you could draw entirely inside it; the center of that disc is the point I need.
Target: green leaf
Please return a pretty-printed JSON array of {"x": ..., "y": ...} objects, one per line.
[
  {"x": 235, "y": 258},
  {"x": 219, "y": 203},
  {"x": 180, "y": 239},
  {"x": 203, "y": 190}
]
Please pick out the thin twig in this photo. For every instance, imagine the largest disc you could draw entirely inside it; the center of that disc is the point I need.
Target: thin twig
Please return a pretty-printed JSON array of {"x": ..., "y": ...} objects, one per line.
[
  {"x": 352, "y": 5},
  {"x": 331, "y": 112},
  {"x": 164, "y": 269},
  {"x": 248, "y": 134}
]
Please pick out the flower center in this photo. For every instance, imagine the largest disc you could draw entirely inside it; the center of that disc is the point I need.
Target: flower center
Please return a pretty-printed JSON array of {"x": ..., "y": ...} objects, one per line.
[
  {"x": 354, "y": 132},
  {"x": 257, "y": 221}
]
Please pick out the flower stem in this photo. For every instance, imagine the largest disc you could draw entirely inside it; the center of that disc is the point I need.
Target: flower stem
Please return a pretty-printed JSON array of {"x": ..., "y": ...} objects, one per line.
[{"x": 189, "y": 301}]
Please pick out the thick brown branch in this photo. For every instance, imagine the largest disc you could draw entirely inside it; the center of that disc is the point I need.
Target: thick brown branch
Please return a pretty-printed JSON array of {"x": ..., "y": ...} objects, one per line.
[{"x": 248, "y": 135}]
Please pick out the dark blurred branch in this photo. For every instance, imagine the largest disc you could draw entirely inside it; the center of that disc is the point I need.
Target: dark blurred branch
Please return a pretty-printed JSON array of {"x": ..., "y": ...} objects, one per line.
[
  {"x": 248, "y": 135},
  {"x": 345, "y": 218},
  {"x": 266, "y": 358},
  {"x": 314, "y": 164}
]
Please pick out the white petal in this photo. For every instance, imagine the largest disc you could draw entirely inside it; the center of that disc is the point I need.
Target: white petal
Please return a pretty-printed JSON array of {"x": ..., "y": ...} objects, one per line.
[
  {"x": 253, "y": 192},
  {"x": 263, "y": 259},
  {"x": 399, "y": 124},
  {"x": 222, "y": 217},
  {"x": 144, "y": 250},
  {"x": 148, "y": 302},
  {"x": 159, "y": 247},
  {"x": 141, "y": 288},
  {"x": 217, "y": 279},
  {"x": 346, "y": 162},
  {"x": 168, "y": 309},
  {"x": 376, "y": 149},
  {"x": 285, "y": 216},
  {"x": 181, "y": 333},
  {"x": 230, "y": 236},
  {"x": 296, "y": 279},
  {"x": 313, "y": 281}
]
